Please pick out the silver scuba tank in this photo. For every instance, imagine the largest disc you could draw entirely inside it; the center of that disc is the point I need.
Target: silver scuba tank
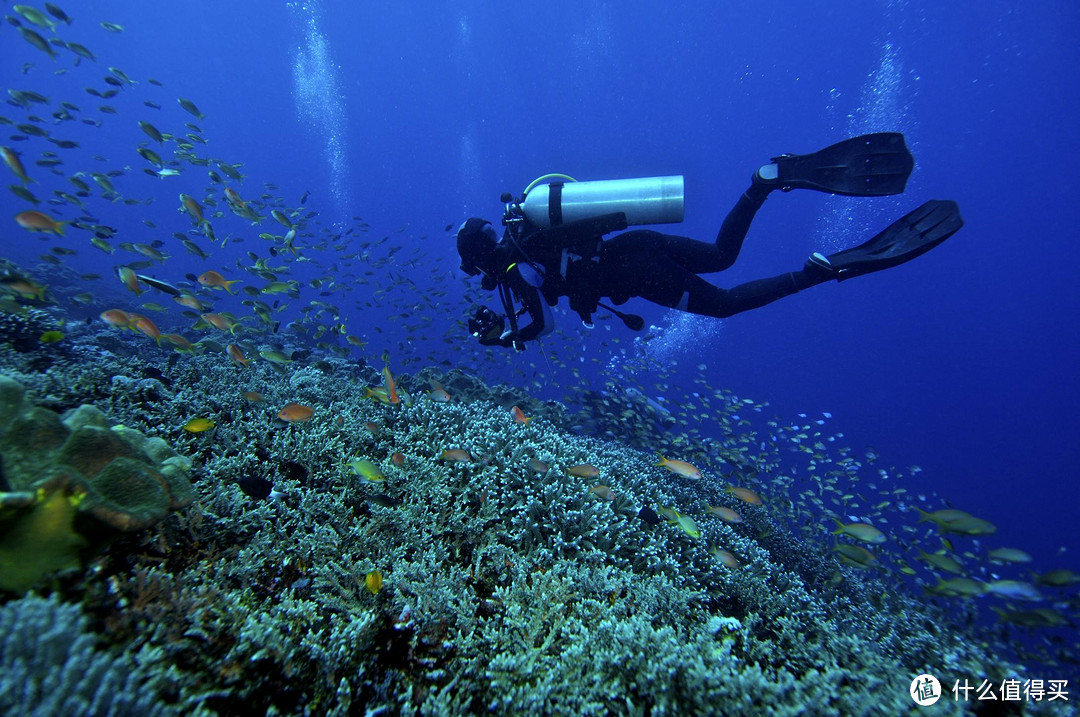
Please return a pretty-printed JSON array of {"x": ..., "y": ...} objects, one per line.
[{"x": 644, "y": 200}]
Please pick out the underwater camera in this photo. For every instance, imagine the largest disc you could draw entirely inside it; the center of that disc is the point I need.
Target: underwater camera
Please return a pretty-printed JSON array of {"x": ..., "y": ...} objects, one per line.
[{"x": 485, "y": 323}]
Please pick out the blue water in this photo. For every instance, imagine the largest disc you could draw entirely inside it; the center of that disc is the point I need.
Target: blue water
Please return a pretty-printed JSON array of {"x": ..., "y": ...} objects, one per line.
[{"x": 962, "y": 362}]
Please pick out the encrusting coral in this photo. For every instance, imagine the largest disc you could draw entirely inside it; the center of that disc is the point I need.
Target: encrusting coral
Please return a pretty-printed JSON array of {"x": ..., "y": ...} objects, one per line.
[{"x": 68, "y": 485}]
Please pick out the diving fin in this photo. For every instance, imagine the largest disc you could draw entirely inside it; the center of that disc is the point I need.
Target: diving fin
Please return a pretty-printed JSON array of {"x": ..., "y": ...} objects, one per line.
[
  {"x": 632, "y": 321},
  {"x": 913, "y": 234},
  {"x": 871, "y": 165}
]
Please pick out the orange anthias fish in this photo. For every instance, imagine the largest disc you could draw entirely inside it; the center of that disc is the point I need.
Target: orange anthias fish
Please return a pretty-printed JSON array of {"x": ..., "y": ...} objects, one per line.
[
  {"x": 745, "y": 495},
  {"x": 391, "y": 389},
  {"x": 116, "y": 318},
  {"x": 129, "y": 279},
  {"x": 583, "y": 470},
  {"x": 602, "y": 491},
  {"x": 725, "y": 557},
  {"x": 193, "y": 209},
  {"x": 145, "y": 326},
  {"x": 519, "y": 416},
  {"x": 295, "y": 413},
  {"x": 455, "y": 455},
  {"x": 437, "y": 392},
  {"x": 180, "y": 343},
  {"x": 39, "y": 222},
  {"x": 237, "y": 355},
  {"x": 681, "y": 468},
  {"x": 234, "y": 198},
  {"x": 213, "y": 280},
  {"x": 221, "y": 321},
  {"x": 11, "y": 159},
  {"x": 24, "y": 287},
  {"x": 726, "y": 514},
  {"x": 190, "y": 300}
]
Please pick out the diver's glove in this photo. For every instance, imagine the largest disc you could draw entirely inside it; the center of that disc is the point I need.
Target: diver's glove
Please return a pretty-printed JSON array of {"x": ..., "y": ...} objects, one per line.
[{"x": 511, "y": 341}]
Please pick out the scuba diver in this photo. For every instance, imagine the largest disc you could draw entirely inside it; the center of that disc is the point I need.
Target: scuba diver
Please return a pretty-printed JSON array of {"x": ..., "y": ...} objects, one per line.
[{"x": 554, "y": 241}]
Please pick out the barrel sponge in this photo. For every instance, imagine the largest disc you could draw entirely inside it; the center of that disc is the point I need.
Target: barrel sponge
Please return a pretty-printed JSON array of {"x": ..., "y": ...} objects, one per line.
[
  {"x": 29, "y": 441},
  {"x": 11, "y": 400},
  {"x": 113, "y": 478}
]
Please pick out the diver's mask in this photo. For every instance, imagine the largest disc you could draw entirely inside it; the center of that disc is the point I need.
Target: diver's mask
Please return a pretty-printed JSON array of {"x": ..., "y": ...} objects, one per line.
[{"x": 476, "y": 241}]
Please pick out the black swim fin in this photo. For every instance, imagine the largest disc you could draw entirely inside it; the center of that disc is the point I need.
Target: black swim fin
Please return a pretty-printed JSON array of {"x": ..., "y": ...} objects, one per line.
[
  {"x": 871, "y": 165},
  {"x": 913, "y": 234},
  {"x": 632, "y": 321}
]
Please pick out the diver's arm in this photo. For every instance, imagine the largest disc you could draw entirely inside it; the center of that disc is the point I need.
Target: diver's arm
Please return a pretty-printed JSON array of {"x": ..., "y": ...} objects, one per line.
[
  {"x": 540, "y": 319},
  {"x": 496, "y": 341}
]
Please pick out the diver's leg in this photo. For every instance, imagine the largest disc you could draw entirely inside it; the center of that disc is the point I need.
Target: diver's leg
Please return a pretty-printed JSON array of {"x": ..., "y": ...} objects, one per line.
[
  {"x": 627, "y": 250},
  {"x": 729, "y": 239},
  {"x": 693, "y": 255},
  {"x": 708, "y": 300},
  {"x": 699, "y": 256},
  {"x": 677, "y": 288},
  {"x": 869, "y": 165}
]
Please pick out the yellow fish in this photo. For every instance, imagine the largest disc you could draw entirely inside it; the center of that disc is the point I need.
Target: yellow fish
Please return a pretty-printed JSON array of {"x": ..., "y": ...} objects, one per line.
[
  {"x": 373, "y": 582},
  {"x": 366, "y": 468},
  {"x": 860, "y": 531},
  {"x": 198, "y": 425},
  {"x": 684, "y": 522}
]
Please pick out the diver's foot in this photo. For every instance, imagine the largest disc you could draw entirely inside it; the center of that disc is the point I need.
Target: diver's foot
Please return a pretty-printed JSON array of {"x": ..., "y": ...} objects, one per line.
[
  {"x": 819, "y": 266},
  {"x": 766, "y": 176}
]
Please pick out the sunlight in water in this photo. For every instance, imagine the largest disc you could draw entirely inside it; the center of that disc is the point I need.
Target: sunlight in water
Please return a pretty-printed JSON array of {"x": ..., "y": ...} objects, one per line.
[
  {"x": 883, "y": 106},
  {"x": 320, "y": 103}
]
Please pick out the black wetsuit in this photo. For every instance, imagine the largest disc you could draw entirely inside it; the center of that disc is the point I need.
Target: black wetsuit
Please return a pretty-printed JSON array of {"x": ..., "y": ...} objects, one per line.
[{"x": 661, "y": 268}]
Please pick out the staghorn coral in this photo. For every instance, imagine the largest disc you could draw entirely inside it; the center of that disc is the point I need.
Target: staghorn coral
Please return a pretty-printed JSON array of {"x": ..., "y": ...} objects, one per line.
[{"x": 50, "y": 664}]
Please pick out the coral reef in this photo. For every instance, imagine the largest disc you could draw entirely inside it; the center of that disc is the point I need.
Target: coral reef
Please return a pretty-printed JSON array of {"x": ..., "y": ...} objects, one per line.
[{"x": 505, "y": 587}]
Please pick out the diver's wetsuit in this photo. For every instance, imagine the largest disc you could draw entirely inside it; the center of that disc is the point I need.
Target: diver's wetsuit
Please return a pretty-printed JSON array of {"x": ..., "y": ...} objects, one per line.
[{"x": 661, "y": 268}]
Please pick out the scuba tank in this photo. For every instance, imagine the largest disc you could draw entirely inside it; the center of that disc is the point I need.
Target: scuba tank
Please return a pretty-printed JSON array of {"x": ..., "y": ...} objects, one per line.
[
  {"x": 575, "y": 215},
  {"x": 644, "y": 200}
]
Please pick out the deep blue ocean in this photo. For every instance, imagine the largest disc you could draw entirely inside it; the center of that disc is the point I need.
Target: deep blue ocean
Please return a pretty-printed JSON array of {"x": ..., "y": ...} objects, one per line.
[{"x": 410, "y": 117}]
